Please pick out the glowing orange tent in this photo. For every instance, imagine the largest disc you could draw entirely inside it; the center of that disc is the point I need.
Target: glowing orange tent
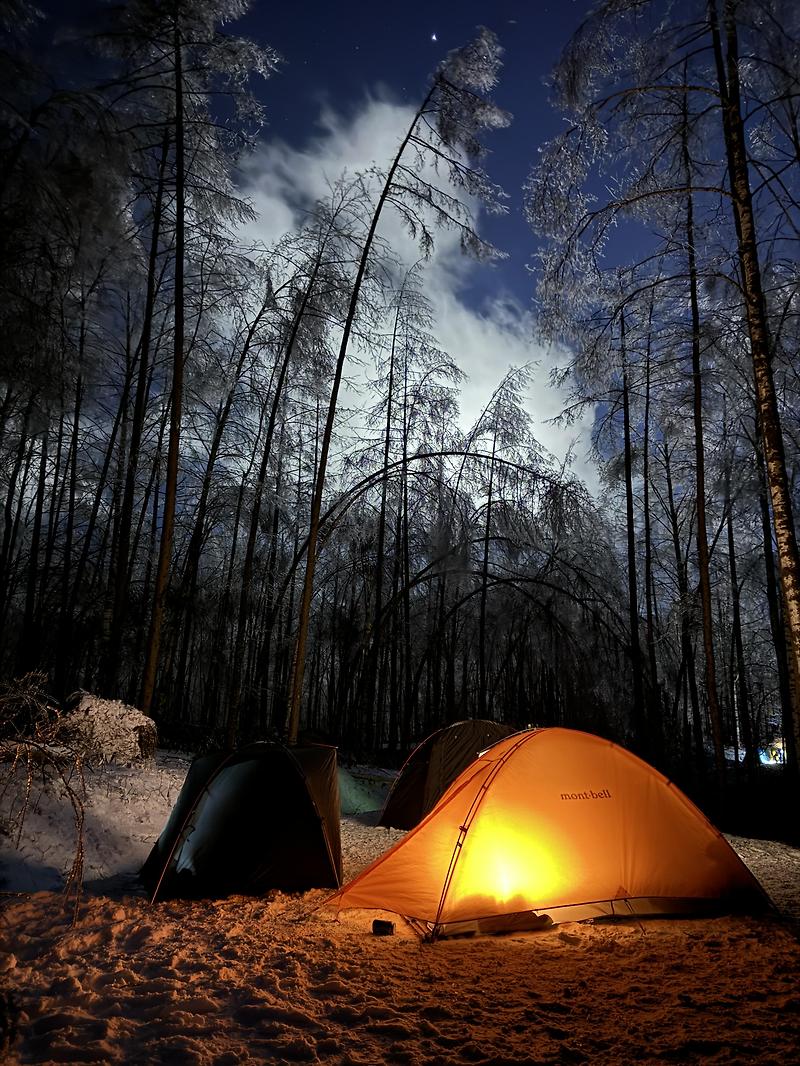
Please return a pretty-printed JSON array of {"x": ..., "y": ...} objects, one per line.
[{"x": 561, "y": 823}]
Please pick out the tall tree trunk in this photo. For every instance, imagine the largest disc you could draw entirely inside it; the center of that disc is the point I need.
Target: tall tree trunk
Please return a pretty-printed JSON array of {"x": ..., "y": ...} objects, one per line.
[
  {"x": 173, "y": 449},
  {"x": 216, "y": 680},
  {"x": 58, "y": 481},
  {"x": 409, "y": 720},
  {"x": 63, "y": 652},
  {"x": 296, "y": 690},
  {"x": 740, "y": 689},
  {"x": 482, "y": 709},
  {"x": 703, "y": 564},
  {"x": 687, "y": 648},
  {"x": 283, "y": 675},
  {"x": 265, "y": 673},
  {"x": 755, "y": 306},
  {"x": 639, "y": 721},
  {"x": 649, "y": 592},
  {"x": 393, "y": 726},
  {"x": 234, "y": 709},
  {"x": 371, "y": 706},
  {"x": 151, "y": 500},
  {"x": 28, "y": 650},
  {"x": 776, "y": 613},
  {"x": 122, "y": 552}
]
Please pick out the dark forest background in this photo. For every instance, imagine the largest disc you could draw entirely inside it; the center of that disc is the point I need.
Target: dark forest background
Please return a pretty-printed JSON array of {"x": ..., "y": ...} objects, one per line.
[{"x": 192, "y": 522}]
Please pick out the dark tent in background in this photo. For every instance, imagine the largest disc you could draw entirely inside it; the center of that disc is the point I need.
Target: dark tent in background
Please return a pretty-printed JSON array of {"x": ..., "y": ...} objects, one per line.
[
  {"x": 433, "y": 765},
  {"x": 251, "y": 820}
]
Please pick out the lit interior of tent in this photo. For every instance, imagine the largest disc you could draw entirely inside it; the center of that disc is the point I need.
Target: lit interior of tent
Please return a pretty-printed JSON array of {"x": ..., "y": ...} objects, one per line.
[{"x": 514, "y": 864}]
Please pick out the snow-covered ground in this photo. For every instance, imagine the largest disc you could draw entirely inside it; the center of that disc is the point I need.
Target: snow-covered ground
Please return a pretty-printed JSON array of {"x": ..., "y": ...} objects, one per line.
[{"x": 283, "y": 979}]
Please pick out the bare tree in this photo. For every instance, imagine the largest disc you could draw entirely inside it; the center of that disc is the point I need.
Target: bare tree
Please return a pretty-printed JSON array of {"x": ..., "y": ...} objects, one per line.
[{"x": 444, "y": 130}]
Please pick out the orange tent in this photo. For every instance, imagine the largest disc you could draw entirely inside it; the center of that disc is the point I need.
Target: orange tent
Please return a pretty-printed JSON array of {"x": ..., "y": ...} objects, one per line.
[{"x": 561, "y": 823}]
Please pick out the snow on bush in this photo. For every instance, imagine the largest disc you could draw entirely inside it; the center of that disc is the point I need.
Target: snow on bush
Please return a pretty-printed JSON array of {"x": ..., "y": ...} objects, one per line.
[{"x": 108, "y": 730}]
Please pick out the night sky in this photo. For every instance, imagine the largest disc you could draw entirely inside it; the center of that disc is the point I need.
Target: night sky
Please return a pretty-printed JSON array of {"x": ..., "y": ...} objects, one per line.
[
  {"x": 368, "y": 65},
  {"x": 337, "y": 54},
  {"x": 340, "y": 55}
]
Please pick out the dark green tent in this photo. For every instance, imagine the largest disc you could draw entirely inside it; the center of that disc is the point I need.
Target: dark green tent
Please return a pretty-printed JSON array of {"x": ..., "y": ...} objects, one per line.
[
  {"x": 433, "y": 765},
  {"x": 262, "y": 817}
]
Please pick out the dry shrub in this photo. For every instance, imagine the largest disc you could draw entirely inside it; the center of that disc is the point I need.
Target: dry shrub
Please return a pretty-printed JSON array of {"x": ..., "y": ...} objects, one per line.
[{"x": 32, "y": 753}]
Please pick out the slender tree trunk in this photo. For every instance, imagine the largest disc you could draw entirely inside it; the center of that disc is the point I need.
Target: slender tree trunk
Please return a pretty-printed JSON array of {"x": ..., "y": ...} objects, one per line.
[
  {"x": 394, "y": 644},
  {"x": 296, "y": 690},
  {"x": 374, "y": 652},
  {"x": 410, "y": 716},
  {"x": 755, "y": 306},
  {"x": 7, "y": 547},
  {"x": 487, "y": 530},
  {"x": 173, "y": 450},
  {"x": 64, "y": 650},
  {"x": 687, "y": 648},
  {"x": 234, "y": 709},
  {"x": 286, "y": 634},
  {"x": 12, "y": 571},
  {"x": 703, "y": 563},
  {"x": 448, "y": 649},
  {"x": 151, "y": 500},
  {"x": 121, "y": 555},
  {"x": 650, "y": 635},
  {"x": 776, "y": 613},
  {"x": 216, "y": 678},
  {"x": 58, "y": 482},
  {"x": 28, "y": 650},
  {"x": 151, "y": 493},
  {"x": 639, "y": 721},
  {"x": 266, "y": 671},
  {"x": 740, "y": 689}
]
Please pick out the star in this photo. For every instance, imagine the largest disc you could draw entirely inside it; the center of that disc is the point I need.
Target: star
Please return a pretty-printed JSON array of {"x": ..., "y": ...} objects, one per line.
[{"x": 434, "y": 37}]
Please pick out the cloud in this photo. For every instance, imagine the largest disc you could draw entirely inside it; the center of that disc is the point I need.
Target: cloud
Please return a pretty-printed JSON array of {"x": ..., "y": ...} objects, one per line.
[
  {"x": 485, "y": 345},
  {"x": 485, "y": 333},
  {"x": 283, "y": 180}
]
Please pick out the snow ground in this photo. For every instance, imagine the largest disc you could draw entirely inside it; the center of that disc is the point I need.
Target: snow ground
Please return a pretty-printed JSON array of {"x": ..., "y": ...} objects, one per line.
[{"x": 281, "y": 979}]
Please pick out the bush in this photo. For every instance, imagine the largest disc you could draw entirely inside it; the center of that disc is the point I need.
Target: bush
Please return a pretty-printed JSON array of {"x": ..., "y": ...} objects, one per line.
[{"x": 31, "y": 751}]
